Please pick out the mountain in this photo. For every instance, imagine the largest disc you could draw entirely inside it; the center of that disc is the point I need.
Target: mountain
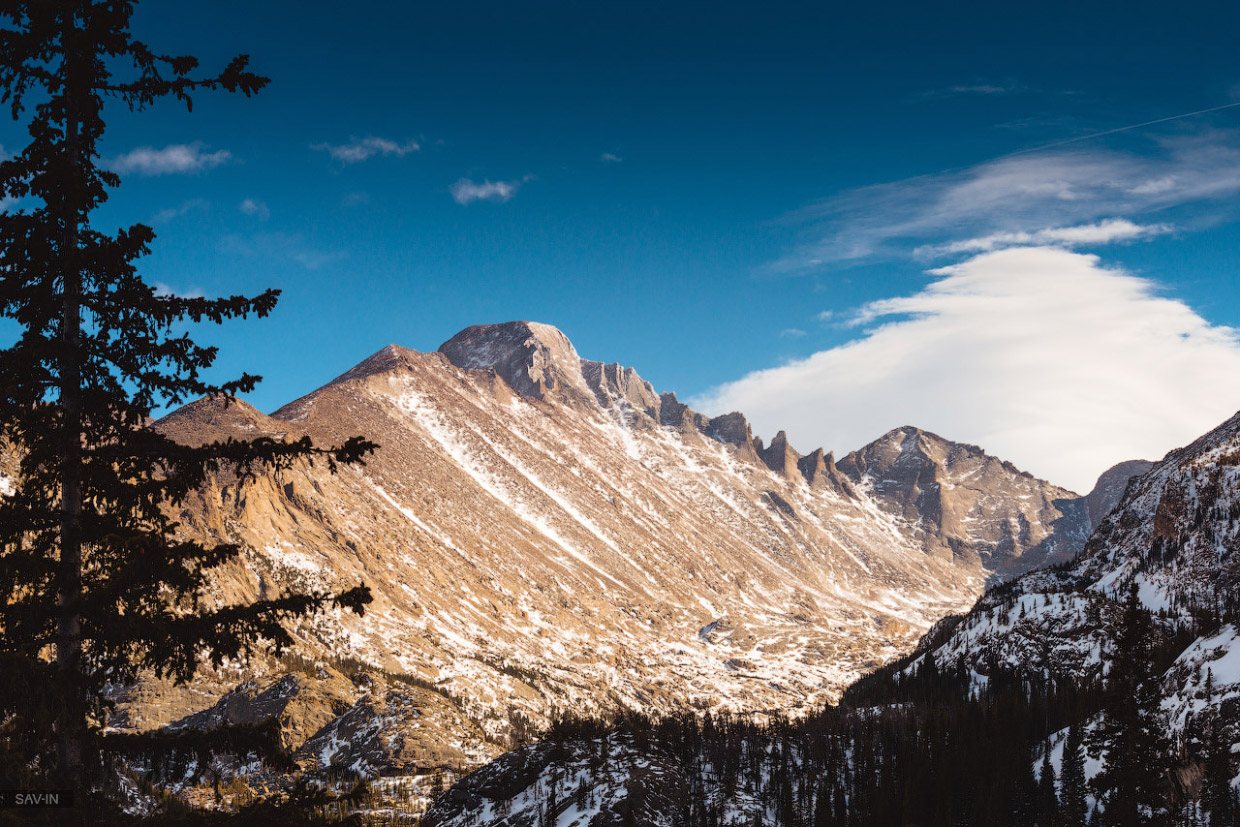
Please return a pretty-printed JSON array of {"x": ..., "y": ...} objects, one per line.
[
  {"x": 955, "y": 715},
  {"x": 963, "y": 503},
  {"x": 1175, "y": 535},
  {"x": 1110, "y": 488},
  {"x": 545, "y": 533}
]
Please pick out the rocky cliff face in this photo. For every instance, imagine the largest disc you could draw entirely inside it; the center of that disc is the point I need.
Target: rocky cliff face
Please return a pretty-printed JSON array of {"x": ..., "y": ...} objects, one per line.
[
  {"x": 964, "y": 504},
  {"x": 545, "y": 533},
  {"x": 1110, "y": 488},
  {"x": 1175, "y": 534}
]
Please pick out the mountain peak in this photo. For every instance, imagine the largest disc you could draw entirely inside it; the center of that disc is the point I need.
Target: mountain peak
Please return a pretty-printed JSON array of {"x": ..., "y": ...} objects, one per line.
[
  {"x": 967, "y": 501},
  {"x": 536, "y": 360},
  {"x": 217, "y": 417},
  {"x": 1109, "y": 489}
]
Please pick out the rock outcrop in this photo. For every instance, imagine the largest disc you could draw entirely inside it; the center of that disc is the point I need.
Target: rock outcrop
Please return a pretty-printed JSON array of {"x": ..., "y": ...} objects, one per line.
[{"x": 1109, "y": 489}]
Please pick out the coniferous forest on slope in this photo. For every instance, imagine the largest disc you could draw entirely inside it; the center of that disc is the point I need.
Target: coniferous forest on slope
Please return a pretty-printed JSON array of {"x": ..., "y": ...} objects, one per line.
[{"x": 907, "y": 745}]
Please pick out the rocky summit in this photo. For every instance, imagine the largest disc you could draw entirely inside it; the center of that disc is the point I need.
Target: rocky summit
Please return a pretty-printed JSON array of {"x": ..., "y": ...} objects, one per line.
[
  {"x": 545, "y": 533},
  {"x": 970, "y": 506}
]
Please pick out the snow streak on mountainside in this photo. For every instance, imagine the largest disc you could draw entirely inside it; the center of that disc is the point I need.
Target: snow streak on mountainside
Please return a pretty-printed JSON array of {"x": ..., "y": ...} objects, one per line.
[{"x": 546, "y": 533}]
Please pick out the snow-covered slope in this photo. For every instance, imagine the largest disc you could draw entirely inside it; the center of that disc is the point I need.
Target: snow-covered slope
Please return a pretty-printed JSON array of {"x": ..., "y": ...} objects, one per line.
[
  {"x": 546, "y": 533},
  {"x": 1177, "y": 529}
]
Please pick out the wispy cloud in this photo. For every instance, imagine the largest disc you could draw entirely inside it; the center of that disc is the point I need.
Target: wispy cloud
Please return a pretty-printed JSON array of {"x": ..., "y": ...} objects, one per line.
[
  {"x": 363, "y": 149},
  {"x": 466, "y": 191},
  {"x": 791, "y": 333},
  {"x": 174, "y": 159},
  {"x": 610, "y": 158},
  {"x": 356, "y": 199},
  {"x": 1101, "y": 232},
  {"x": 1054, "y": 362},
  {"x": 254, "y": 207},
  {"x": 984, "y": 89},
  {"x": 1034, "y": 193},
  {"x": 280, "y": 247},
  {"x": 978, "y": 88},
  {"x": 172, "y": 213}
]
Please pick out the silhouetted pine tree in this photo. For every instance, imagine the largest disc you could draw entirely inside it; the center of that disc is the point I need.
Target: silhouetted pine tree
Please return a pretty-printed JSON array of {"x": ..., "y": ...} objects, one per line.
[
  {"x": 1048, "y": 798},
  {"x": 1216, "y": 795},
  {"x": 1074, "y": 808},
  {"x": 95, "y": 585},
  {"x": 1132, "y": 785}
]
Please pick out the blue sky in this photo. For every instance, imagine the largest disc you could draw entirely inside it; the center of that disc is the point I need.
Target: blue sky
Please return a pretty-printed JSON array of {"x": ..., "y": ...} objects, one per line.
[{"x": 711, "y": 192}]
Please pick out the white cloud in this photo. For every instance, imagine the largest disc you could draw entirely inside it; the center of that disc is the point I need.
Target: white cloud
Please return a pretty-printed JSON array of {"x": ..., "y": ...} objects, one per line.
[
  {"x": 1041, "y": 355},
  {"x": 172, "y": 213},
  {"x": 362, "y": 149},
  {"x": 172, "y": 159},
  {"x": 791, "y": 333},
  {"x": 256, "y": 208},
  {"x": 610, "y": 158},
  {"x": 1101, "y": 232},
  {"x": 466, "y": 191},
  {"x": 1016, "y": 194},
  {"x": 1154, "y": 186}
]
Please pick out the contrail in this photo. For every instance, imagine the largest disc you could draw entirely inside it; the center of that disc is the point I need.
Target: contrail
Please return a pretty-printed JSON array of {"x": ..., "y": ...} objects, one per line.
[{"x": 1122, "y": 129}]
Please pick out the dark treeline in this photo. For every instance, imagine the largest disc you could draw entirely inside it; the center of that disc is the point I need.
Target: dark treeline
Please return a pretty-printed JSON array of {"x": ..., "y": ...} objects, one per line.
[
  {"x": 958, "y": 760},
  {"x": 920, "y": 744}
]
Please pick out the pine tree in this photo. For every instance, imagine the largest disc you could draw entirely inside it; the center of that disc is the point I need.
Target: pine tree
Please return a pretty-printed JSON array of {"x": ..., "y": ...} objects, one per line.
[
  {"x": 1216, "y": 794},
  {"x": 96, "y": 585},
  {"x": 1131, "y": 785},
  {"x": 1048, "y": 799},
  {"x": 1074, "y": 808},
  {"x": 823, "y": 816}
]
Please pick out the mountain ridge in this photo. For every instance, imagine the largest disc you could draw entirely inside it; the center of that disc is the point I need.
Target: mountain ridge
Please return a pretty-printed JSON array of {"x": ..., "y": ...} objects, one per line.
[
  {"x": 544, "y": 532},
  {"x": 1045, "y": 640}
]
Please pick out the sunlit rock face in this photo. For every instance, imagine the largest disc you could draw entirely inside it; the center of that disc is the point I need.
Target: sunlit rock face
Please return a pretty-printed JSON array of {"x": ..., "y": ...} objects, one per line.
[
  {"x": 546, "y": 533},
  {"x": 963, "y": 503}
]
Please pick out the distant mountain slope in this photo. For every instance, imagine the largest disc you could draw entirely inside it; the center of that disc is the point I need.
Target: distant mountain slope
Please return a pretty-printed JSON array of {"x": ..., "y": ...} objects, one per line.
[
  {"x": 1175, "y": 534},
  {"x": 1110, "y": 488},
  {"x": 963, "y": 502},
  {"x": 546, "y": 533}
]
